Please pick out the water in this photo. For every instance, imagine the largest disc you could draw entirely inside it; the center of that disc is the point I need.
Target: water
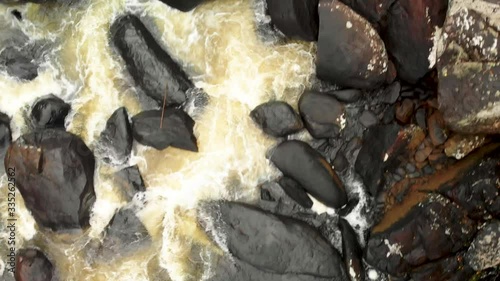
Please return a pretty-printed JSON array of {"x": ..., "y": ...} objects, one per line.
[{"x": 218, "y": 46}]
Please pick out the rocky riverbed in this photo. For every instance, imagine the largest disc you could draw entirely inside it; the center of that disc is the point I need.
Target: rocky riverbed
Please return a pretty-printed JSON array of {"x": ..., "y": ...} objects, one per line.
[{"x": 250, "y": 140}]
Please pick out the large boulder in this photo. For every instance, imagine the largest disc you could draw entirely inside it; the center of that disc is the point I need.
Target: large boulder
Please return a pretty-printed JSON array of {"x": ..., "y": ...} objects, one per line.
[
  {"x": 299, "y": 161},
  {"x": 5, "y": 135},
  {"x": 275, "y": 244},
  {"x": 411, "y": 26},
  {"x": 49, "y": 112},
  {"x": 117, "y": 137},
  {"x": 322, "y": 114},
  {"x": 151, "y": 67},
  {"x": 33, "y": 265},
  {"x": 484, "y": 251},
  {"x": 297, "y": 19},
  {"x": 54, "y": 173},
  {"x": 277, "y": 118},
  {"x": 469, "y": 95},
  {"x": 350, "y": 52},
  {"x": 183, "y": 5},
  {"x": 175, "y": 130}
]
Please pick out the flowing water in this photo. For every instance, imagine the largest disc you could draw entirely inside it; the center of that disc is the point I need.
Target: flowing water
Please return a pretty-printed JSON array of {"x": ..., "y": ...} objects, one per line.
[{"x": 219, "y": 47}]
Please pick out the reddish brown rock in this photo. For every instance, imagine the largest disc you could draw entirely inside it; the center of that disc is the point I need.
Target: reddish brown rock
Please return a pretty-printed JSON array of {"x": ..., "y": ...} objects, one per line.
[
  {"x": 469, "y": 68},
  {"x": 437, "y": 129},
  {"x": 421, "y": 155},
  {"x": 453, "y": 268},
  {"x": 350, "y": 52},
  {"x": 410, "y": 29},
  {"x": 404, "y": 111}
]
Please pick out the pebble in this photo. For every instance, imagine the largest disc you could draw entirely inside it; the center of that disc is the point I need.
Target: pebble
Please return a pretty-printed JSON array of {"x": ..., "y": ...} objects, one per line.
[
  {"x": 428, "y": 170},
  {"x": 437, "y": 129},
  {"x": 410, "y": 168},
  {"x": 391, "y": 93},
  {"x": 404, "y": 111},
  {"x": 340, "y": 163},
  {"x": 368, "y": 119},
  {"x": 422, "y": 154}
]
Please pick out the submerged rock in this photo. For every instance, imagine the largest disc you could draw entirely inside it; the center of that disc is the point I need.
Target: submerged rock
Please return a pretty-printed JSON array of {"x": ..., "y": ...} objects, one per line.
[
  {"x": 303, "y": 164},
  {"x": 33, "y": 265},
  {"x": 484, "y": 251},
  {"x": 55, "y": 175},
  {"x": 352, "y": 252},
  {"x": 323, "y": 115},
  {"x": 49, "y": 112},
  {"x": 296, "y": 192},
  {"x": 277, "y": 118},
  {"x": 129, "y": 182},
  {"x": 117, "y": 137},
  {"x": 276, "y": 244},
  {"x": 350, "y": 52},
  {"x": 183, "y": 5},
  {"x": 297, "y": 19},
  {"x": 175, "y": 130},
  {"x": 469, "y": 95},
  {"x": 19, "y": 63},
  {"x": 151, "y": 67},
  {"x": 5, "y": 136},
  {"x": 411, "y": 25}
]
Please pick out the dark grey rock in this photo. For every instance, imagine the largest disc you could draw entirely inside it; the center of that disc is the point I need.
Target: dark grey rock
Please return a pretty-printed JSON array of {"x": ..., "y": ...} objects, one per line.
[
  {"x": 277, "y": 118},
  {"x": 297, "y": 19},
  {"x": 352, "y": 252},
  {"x": 391, "y": 93},
  {"x": 19, "y": 63},
  {"x": 296, "y": 192},
  {"x": 302, "y": 163},
  {"x": 340, "y": 162},
  {"x": 117, "y": 137},
  {"x": 49, "y": 112},
  {"x": 368, "y": 119},
  {"x": 5, "y": 137},
  {"x": 176, "y": 130},
  {"x": 347, "y": 96},
  {"x": 322, "y": 114},
  {"x": 183, "y": 5},
  {"x": 129, "y": 181},
  {"x": 33, "y": 265}
]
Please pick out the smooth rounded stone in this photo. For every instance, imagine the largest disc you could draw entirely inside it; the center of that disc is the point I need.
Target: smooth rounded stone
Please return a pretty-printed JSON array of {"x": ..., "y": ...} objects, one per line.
[
  {"x": 55, "y": 175},
  {"x": 437, "y": 129},
  {"x": 372, "y": 10},
  {"x": 411, "y": 26},
  {"x": 277, "y": 118},
  {"x": 452, "y": 268},
  {"x": 5, "y": 136},
  {"x": 404, "y": 111},
  {"x": 323, "y": 115},
  {"x": 370, "y": 162},
  {"x": 176, "y": 130},
  {"x": 352, "y": 252},
  {"x": 350, "y": 52},
  {"x": 340, "y": 162},
  {"x": 275, "y": 244},
  {"x": 422, "y": 235},
  {"x": 33, "y": 265},
  {"x": 484, "y": 251},
  {"x": 124, "y": 235},
  {"x": 299, "y": 161},
  {"x": 49, "y": 112},
  {"x": 117, "y": 137},
  {"x": 349, "y": 207},
  {"x": 346, "y": 96},
  {"x": 183, "y": 5},
  {"x": 468, "y": 93},
  {"x": 296, "y": 192},
  {"x": 19, "y": 63},
  {"x": 368, "y": 119},
  {"x": 391, "y": 93},
  {"x": 151, "y": 67},
  {"x": 297, "y": 19},
  {"x": 129, "y": 182}
]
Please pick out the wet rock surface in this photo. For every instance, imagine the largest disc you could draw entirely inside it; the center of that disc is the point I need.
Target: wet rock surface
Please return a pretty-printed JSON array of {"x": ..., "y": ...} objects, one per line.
[
  {"x": 117, "y": 137},
  {"x": 323, "y": 115},
  {"x": 372, "y": 10},
  {"x": 303, "y": 164},
  {"x": 410, "y": 29},
  {"x": 129, "y": 181},
  {"x": 5, "y": 136},
  {"x": 297, "y": 19},
  {"x": 175, "y": 130},
  {"x": 484, "y": 251},
  {"x": 352, "y": 252},
  {"x": 263, "y": 240},
  {"x": 19, "y": 63},
  {"x": 296, "y": 192},
  {"x": 151, "y": 67},
  {"x": 54, "y": 174},
  {"x": 469, "y": 68},
  {"x": 277, "y": 118},
  {"x": 183, "y": 5},
  {"x": 341, "y": 31},
  {"x": 49, "y": 112},
  {"x": 33, "y": 265}
]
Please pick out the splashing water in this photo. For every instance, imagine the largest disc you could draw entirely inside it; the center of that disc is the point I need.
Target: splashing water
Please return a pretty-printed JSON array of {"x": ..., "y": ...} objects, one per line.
[{"x": 218, "y": 46}]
